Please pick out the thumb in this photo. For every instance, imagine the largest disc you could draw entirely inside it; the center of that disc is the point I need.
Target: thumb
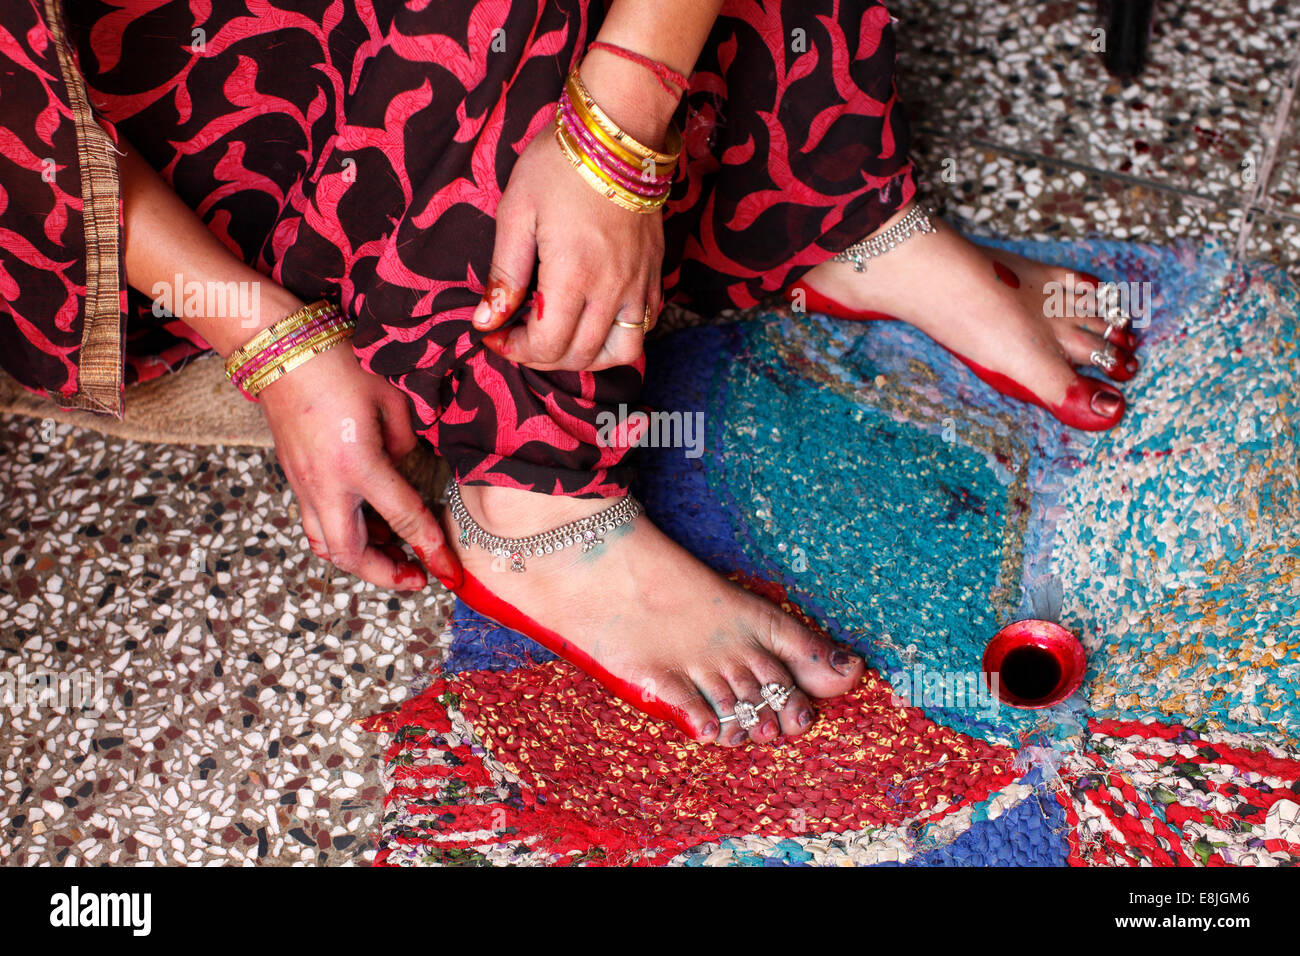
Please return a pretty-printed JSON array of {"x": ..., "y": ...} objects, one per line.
[{"x": 513, "y": 256}]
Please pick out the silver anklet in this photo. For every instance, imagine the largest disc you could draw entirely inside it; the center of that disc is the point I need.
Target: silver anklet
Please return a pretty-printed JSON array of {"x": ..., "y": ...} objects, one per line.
[
  {"x": 917, "y": 220},
  {"x": 588, "y": 532}
]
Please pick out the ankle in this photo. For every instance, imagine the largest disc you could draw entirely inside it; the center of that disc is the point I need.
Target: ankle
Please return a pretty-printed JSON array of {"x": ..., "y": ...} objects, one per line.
[{"x": 514, "y": 513}]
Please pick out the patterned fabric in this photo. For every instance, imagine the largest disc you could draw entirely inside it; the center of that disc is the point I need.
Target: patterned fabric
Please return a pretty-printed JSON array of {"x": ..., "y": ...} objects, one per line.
[
  {"x": 359, "y": 150},
  {"x": 61, "y": 274},
  {"x": 859, "y": 474}
]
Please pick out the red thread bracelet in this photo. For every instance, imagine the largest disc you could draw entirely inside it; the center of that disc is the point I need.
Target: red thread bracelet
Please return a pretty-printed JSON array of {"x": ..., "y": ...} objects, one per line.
[{"x": 665, "y": 73}]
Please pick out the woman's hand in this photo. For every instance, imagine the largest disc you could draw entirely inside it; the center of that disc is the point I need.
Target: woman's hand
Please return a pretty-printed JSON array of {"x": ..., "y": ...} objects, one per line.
[
  {"x": 596, "y": 262},
  {"x": 338, "y": 433}
]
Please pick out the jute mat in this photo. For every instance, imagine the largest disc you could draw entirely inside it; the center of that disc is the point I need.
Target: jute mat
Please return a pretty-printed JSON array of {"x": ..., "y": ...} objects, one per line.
[{"x": 195, "y": 406}]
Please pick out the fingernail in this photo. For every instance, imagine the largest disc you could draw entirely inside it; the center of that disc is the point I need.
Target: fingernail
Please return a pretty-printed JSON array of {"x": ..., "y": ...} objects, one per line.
[
  {"x": 1105, "y": 403},
  {"x": 482, "y": 314},
  {"x": 843, "y": 661},
  {"x": 805, "y": 717},
  {"x": 1132, "y": 366}
]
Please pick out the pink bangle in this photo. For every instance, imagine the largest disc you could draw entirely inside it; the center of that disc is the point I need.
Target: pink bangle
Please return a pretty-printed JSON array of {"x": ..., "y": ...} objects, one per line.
[
  {"x": 627, "y": 175},
  {"x": 263, "y": 359},
  {"x": 306, "y": 332}
]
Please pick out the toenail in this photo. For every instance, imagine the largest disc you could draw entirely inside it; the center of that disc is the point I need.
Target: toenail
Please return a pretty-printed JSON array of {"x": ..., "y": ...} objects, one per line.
[
  {"x": 1132, "y": 366},
  {"x": 737, "y": 737},
  {"x": 768, "y": 729},
  {"x": 710, "y": 730},
  {"x": 1105, "y": 403},
  {"x": 842, "y": 661},
  {"x": 805, "y": 717}
]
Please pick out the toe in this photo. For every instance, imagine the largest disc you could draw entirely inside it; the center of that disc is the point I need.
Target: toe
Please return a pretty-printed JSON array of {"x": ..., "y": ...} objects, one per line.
[
  {"x": 819, "y": 667},
  {"x": 689, "y": 707},
  {"x": 797, "y": 715},
  {"x": 1121, "y": 338},
  {"x": 1080, "y": 344},
  {"x": 746, "y": 687},
  {"x": 721, "y": 701}
]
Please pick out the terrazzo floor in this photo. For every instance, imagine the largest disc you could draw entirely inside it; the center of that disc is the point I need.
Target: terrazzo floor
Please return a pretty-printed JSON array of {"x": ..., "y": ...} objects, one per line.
[{"x": 232, "y": 661}]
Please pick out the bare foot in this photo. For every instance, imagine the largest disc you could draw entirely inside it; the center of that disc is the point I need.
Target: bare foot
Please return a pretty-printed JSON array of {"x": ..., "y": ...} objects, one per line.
[
  {"x": 662, "y": 624},
  {"x": 997, "y": 309}
]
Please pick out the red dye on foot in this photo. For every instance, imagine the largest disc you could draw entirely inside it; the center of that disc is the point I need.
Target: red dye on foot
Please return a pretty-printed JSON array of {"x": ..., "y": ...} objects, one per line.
[
  {"x": 480, "y": 599},
  {"x": 1006, "y": 275},
  {"x": 539, "y": 304}
]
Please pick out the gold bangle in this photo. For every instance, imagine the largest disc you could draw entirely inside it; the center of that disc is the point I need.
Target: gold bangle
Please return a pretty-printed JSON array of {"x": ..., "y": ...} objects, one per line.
[
  {"x": 598, "y": 180},
  {"x": 289, "y": 324},
  {"x": 297, "y": 357},
  {"x": 331, "y": 336},
  {"x": 612, "y": 135},
  {"x": 575, "y": 150}
]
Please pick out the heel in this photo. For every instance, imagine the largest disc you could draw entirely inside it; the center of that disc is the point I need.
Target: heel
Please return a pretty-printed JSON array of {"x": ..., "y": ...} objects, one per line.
[{"x": 814, "y": 301}]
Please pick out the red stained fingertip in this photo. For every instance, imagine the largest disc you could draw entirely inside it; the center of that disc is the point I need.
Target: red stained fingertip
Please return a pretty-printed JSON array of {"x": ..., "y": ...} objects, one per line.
[
  {"x": 498, "y": 342},
  {"x": 410, "y": 577}
]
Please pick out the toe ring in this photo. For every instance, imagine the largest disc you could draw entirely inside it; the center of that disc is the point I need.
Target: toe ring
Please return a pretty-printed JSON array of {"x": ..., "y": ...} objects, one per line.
[
  {"x": 746, "y": 715},
  {"x": 1115, "y": 315},
  {"x": 775, "y": 696},
  {"x": 1103, "y": 359}
]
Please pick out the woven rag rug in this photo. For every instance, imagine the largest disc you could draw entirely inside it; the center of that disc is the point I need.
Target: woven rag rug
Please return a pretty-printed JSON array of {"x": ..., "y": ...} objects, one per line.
[{"x": 860, "y": 477}]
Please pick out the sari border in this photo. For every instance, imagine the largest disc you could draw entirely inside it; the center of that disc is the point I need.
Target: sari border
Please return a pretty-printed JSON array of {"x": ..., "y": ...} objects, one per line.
[{"x": 100, "y": 363}]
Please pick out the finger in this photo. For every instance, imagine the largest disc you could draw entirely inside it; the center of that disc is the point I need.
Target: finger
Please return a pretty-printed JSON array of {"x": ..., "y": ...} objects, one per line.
[
  {"x": 622, "y": 345},
  {"x": 655, "y": 299},
  {"x": 514, "y": 252},
  {"x": 590, "y": 336},
  {"x": 377, "y": 529},
  {"x": 543, "y": 344},
  {"x": 351, "y": 552},
  {"x": 406, "y": 513},
  {"x": 312, "y": 529}
]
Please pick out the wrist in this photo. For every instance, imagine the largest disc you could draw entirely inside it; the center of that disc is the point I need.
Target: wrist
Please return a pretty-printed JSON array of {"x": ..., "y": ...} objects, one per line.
[
  {"x": 631, "y": 96},
  {"x": 271, "y": 304}
]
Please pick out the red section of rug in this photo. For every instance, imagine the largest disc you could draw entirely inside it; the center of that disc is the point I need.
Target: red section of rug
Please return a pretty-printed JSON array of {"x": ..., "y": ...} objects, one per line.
[
  {"x": 593, "y": 772},
  {"x": 1231, "y": 788}
]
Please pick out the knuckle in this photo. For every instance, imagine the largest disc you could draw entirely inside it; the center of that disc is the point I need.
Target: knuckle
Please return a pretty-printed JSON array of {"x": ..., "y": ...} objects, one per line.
[{"x": 549, "y": 351}]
